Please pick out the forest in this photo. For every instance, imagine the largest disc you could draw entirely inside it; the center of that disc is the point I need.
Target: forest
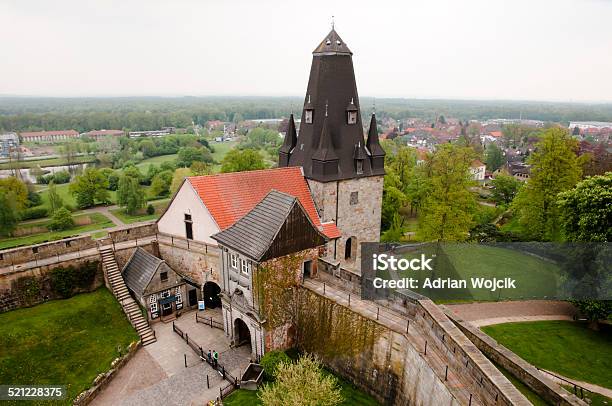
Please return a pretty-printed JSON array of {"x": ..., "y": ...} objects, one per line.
[{"x": 150, "y": 113}]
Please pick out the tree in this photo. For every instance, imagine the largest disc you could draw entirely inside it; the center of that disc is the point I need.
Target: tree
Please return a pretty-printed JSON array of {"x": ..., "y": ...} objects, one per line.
[
  {"x": 55, "y": 200},
  {"x": 61, "y": 220},
  {"x": 130, "y": 194},
  {"x": 447, "y": 212},
  {"x": 17, "y": 189},
  {"x": 586, "y": 210},
  {"x": 505, "y": 188},
  {"x": 301, "y": 384},
  {"x": 160, "y": 185},
  {"x": 89, "y": 187},
  {"x": 494, "y": 157},
  {"x": 555, "y": 169},
  {"x": 201, "y": 168},
  {"x": 239, "y": 161},
  {"x": 576, "y": 130},
  {"x": 189, "y": 155},
  {"x": 9, "y": 215},
  {"x": 177, "y": 179}
]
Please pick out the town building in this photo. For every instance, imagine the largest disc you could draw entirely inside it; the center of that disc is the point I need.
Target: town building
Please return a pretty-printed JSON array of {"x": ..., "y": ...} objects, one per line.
[
  {"x": 49, "y": 136},
  {"x": 9, "y": 142},
  {"x": 152, "y": 133},
  {"x": 99, "y": 134},
  {"x": 156, "y": 286},
  {"x": 478, "y": 169}
]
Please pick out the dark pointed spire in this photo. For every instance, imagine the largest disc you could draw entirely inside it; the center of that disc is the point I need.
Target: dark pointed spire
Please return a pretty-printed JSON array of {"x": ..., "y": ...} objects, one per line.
[
  {"x": 332, "y": 45},
  {"x": 325, "y": 150},
  {"x": 291, "y": 138},
  {"x": 372, "y": 143}
]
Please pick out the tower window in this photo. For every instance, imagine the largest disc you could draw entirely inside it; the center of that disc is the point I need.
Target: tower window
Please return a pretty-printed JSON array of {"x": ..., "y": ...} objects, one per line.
[
  {"x": 359, "y": 166},
  {"x": 352, "y": 117},
  {"x": 308, "y": 116},
  {"x": 354, "y": 198}
]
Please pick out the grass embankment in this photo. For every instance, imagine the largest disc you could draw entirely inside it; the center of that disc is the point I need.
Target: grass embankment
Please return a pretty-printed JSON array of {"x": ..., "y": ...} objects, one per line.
[
  {"x": 141, "y": 215},
  {"x": 98, "y": 221},
  {"x": 63, "y": 342},
  {"x": 81, "y": 159},
  {"x": 535, "y": 278},
  {"x": 351, "y": 394},
  {"x": 156, "y": 160},
  {"x": 567, "y": 348}
]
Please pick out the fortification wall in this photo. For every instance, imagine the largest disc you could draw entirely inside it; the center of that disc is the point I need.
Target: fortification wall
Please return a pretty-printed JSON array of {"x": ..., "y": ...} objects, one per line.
[
  {"x": 514, "y": 364},
  {"x": 197, "y": 261}
]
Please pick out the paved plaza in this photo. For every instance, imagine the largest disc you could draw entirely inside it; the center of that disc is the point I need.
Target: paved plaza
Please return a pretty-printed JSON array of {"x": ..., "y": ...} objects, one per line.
[{"x": 157, "y": 375}]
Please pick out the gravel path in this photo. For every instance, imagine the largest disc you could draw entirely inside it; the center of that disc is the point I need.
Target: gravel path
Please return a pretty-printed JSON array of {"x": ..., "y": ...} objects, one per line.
[{"x": 487, "y": 313}]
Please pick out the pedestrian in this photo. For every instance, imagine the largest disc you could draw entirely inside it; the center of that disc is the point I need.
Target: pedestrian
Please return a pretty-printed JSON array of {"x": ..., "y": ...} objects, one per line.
[
  {"x": 216, "y": 358},
  {"x": 209, "y": 357}
]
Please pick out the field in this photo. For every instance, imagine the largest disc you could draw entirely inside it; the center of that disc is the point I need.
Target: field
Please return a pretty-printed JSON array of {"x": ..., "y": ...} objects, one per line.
[
  {"x": 66, "y": 342},
  {"x": 47, "y": 162},
  {"x": 535, "y": 278},
  {"x": 141, "y": 215},
  {"x": 567, "y": 348},
  {"x": 156, "y": 160},
  {"x": 99, "y": 221},
  {"x": 64, "y": 192}
]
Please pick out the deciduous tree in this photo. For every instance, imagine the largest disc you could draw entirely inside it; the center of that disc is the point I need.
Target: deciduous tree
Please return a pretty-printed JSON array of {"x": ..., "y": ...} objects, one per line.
[
  {"x": 242, "y": 160},
  {"x": 55, "y": 200},
  {"x": 555, "y": 168},
  {"x": 130, "y": 194},
  {"x": 89, "y": 187},
  {"x": 505, "y": 188}
]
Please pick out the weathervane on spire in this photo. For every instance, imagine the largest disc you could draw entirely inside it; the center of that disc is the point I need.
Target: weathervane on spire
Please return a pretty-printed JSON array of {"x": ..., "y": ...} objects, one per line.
[{"x": 332, "y": 22}]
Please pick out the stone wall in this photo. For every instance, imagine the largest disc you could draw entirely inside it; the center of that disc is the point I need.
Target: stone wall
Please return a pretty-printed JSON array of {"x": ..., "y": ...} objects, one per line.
[
  {"x": 13, "y": 296},
  {"x": 198, "y": 262},
  {"x": 133, "y": 232},
  {"x": 35, "y": 252},
  {"x": 519, "y": 368}
]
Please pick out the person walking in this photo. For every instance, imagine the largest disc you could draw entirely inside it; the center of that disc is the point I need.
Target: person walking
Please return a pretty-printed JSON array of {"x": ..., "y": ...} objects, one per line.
[
  {"x": 216, "y": 358},
  {"x": 209, "y": 355}
]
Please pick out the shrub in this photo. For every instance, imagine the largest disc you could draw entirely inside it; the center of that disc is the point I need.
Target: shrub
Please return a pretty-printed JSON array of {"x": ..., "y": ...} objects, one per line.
[
  {"x": 34, "y": 213},
  {"x": 34, "y": 199},
  {"x": 271, "y": 360},
  {"x": 61, "y": 177},
  {"x": 61, "y": 220},
  {"x": 150, "y": 209},
  {"x": 63, "y": 281},
  {"x": 28, "y": 288}
]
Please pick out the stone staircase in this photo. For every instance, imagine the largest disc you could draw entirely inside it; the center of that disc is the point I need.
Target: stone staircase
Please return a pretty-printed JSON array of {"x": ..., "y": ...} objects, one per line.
[{"x": 120, "y": 290}]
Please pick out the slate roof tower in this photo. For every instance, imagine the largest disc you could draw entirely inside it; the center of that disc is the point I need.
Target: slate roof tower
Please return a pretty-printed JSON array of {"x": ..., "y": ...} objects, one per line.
[
  {"x": 344, "y": 169},
  {"x": 331, "y": 124}
]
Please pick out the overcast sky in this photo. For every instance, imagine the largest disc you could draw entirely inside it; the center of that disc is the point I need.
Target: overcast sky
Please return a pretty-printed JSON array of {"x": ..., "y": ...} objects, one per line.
[{"x": 483, "y": 49}]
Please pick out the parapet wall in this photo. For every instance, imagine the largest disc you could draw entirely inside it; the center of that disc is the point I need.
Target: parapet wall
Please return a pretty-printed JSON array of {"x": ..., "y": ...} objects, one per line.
[
  {"x": 519, "y": 368},
  {"x": 21, "y": 255}
]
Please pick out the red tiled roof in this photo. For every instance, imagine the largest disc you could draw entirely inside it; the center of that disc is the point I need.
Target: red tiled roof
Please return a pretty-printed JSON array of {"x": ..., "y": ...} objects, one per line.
[
  {"x": 496, "y": 134},
  {"x": 96, "y": 133},
  {"x": 476, "y": 163},
  {"x": 71, "y": 133},
  {"x": 229, "y": 196}
]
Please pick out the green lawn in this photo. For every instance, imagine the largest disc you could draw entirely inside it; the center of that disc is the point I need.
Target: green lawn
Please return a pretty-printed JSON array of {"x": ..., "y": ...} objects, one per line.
[
  {"x": 99, "y": 221},
  {"x": 64, "y": 192},
  {"x": 351, "y": 394},
  {"x": 534, "y": 277},
  {"x": 48, "y": 162},
  {"x": 156, "y": 160},
  {"x": 160, "y": 206},
  {"x": 63, "y": 342},
  {"x": 567, "y": 348},
  {"x": 595, "y": 399}
]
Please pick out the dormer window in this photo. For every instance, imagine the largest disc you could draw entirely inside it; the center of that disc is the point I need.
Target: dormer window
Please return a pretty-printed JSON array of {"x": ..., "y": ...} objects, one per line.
[
  {"x": 308, "y": 116},
  {"x": 351, "y": 113},
  {"x": 359, "y": 166}
]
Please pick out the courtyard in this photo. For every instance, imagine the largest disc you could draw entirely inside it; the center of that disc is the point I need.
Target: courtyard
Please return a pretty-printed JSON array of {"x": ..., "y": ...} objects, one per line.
[{"x": 157, "y": 374}]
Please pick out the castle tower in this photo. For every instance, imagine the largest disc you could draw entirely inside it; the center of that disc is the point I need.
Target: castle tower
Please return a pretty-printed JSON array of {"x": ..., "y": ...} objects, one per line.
[{"x": 344, "y": 170}]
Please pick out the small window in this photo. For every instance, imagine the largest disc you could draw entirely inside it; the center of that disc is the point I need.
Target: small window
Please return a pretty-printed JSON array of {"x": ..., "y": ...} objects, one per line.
[
  {"x": 354, "y": 198},
  {"x": 359, "y": 166},
  {"x": 244, "y": 267},
  {"x": 352, "y": 117},
  {"x": 187, "y": 217},
  {"x": 164, "y": 276},
  {"x": 234, "y": 261},
  {"x": 308, "y": 116},
  {"x": 35, "y": 250}
]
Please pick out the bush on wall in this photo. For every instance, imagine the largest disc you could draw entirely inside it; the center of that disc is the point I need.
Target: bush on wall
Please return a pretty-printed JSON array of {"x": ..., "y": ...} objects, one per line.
[
  {"x": 28, "y": 289},
  {"x": 65, "y": 281}
]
